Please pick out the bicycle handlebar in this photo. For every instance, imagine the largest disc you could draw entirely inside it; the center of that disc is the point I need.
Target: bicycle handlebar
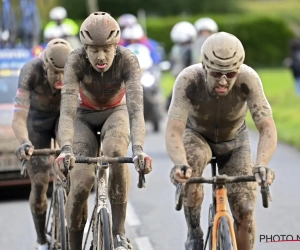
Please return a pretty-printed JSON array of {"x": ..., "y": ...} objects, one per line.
[
  {"x": 45, "y": 152},
  {"x": 221, "y": 179},
  {"x": 95, "y": 160}
]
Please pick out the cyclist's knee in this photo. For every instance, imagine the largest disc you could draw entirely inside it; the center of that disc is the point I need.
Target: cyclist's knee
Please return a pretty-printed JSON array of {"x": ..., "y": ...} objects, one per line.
[
  {"x": 82, "y": 181},
  {"x": 193, "y": 195},
  {"x": 244, "y": 212},
  {"x": 38, "y": 197},
  {"x": 115, "y": 147}
]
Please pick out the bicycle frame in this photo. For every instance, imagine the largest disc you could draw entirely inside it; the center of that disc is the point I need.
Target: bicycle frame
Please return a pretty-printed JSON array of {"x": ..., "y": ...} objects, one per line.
[
  {"x": 101, "y": 199},
  {"x": 220, "y": 207}
]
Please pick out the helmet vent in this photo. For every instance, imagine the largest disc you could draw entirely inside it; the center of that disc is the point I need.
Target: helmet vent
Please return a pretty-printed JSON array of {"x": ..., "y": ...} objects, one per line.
[
  {"x": 87, "y": 34},
  {"x": 110, "y": 34},
  {"x": 53, "y": 63},
  {"x": 222, "y": 58}
]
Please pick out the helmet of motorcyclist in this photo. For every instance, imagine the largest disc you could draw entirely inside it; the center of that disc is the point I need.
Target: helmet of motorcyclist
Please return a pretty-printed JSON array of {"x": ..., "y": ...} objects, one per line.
[
  {"x": 183, "y": 32},
  {"x": 60, "y": 31},
  {"x": 99, "y": 29},
  {"x": 56, "y": 54},
  {"x": 222, "y": 52},
  {"x": 143, "y": 55},
  {"x": 207, "y": 24},
  {"x": 133, "y": 32},
  {"x": 126, "y": 20},
  {"x": 58, "y": 13}
]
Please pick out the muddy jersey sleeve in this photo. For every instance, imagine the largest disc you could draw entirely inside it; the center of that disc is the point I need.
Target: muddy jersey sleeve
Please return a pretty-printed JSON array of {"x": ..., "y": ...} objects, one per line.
[
  {"x": 69, "y": 99},
  {"x": 257, "y": 102},
  {"x": 180, "y": 104},
  {"x": 134, "y": 98},
  {"x": 26, "y": 80}
]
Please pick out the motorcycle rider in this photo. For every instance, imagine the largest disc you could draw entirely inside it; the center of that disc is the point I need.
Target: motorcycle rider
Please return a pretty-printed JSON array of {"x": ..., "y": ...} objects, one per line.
[
  {"x": 36, "y": 113},
  {"x": 107, "y": 77},
  {"x": 205, "y": 27},
  {"x": 183, "y": 35},
  {"x": 207, "y": 118}
]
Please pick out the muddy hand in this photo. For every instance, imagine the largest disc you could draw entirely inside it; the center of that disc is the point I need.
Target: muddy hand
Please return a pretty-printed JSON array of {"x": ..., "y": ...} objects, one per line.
[
  {"x": 24, "y": 151},
  {"x": 180, "y": 173},
  {"x": 143, "y": 163},
  {"x": 263, "y": 175}
]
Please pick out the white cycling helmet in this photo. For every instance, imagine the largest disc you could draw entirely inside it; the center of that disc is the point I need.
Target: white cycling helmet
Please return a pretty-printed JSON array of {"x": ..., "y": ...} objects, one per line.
[
  {"x": 183, "y": 32},
  {"x": 126, "y": 20},
  {"x": 206, "y": 23},
  {"x": 134, "y": 32},
  {"x": 222, "y": 52},
  {"x": 58, "y": 13},
  {"x": 143, "y": 55}
]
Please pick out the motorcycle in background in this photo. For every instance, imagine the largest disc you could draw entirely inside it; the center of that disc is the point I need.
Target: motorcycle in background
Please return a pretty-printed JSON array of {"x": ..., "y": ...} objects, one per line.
[{"x": 150, "y": 79}]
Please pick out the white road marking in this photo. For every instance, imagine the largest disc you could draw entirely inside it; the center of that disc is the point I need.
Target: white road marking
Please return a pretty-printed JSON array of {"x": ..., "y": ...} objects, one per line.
[
  {"x": 131, "y": 216},
  {"x": 143, "y": 243}
]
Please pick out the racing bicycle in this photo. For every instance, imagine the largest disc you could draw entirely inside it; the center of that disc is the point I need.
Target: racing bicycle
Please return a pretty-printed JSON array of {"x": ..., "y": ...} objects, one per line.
[
  {"x": 101, "y": 217},
  {"x": 220, "y": 234}
]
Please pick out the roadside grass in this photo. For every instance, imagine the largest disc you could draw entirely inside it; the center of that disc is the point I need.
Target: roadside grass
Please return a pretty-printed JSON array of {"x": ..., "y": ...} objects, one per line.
[{"x": 279, "y": 89}]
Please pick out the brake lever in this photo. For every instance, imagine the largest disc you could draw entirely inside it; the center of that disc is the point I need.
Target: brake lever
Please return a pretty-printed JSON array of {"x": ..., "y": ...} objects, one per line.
[
  {"x": 269, "y": 192},
  {"x": 142, "y": 180},
  {"x": 23, "y": 169}
]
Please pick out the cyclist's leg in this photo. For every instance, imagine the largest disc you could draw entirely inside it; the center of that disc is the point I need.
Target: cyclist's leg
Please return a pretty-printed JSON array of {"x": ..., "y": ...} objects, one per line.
[
  {"x": 198, "y": 155},
  {"x": 116, "y": 139},
  {"x": 39, "y": 172},
  {"x": 241, "y": 196},
  {"x": 82, "y": 180}
]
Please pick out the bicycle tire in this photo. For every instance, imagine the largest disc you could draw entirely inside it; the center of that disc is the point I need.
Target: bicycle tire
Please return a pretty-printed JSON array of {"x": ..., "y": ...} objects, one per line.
[
  {"x": 104, "y": 231},
  {"x": 59, "y": 227},
  {"x": 224, "y": 240}
]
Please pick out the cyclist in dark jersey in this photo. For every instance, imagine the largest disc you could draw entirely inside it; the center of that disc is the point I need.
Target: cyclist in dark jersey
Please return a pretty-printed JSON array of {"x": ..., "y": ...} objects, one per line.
[
  {"x": 207, "y": 118},
  {"x": 37, "y": 105},
  {"x": 107, "y": 78}
]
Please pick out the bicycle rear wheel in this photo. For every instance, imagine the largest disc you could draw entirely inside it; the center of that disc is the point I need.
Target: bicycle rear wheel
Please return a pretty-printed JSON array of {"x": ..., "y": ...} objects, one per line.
[
  {"x": 224, "y": 241},
  {"x": 59, "y": 235},
  {"x": 104, "y": 231}
]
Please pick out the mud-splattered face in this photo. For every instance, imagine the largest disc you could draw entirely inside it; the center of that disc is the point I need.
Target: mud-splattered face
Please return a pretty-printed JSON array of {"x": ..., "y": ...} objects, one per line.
[
  {"x": 55, "y": 77},
  {"x": 101, "y": 57},
  {"x": 220, "y": 83}
]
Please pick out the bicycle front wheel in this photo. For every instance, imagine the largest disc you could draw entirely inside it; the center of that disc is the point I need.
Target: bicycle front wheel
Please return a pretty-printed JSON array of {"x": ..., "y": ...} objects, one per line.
[
  {"x": 59, "y": 226},
  {"x": 224, "y": 240},
  {"x": 104, "y": 231}
]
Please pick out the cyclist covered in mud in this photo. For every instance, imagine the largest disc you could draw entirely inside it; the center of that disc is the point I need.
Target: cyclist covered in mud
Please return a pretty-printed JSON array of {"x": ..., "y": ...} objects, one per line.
[
  {"x": 207, "y": 118},
  {"x": 35, "y": 121},
  {"x": 107, "y": 77}
]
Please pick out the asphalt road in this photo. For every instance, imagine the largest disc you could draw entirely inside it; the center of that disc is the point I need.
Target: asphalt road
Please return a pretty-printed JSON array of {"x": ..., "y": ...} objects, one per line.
[{"x": 152, "y": 222}]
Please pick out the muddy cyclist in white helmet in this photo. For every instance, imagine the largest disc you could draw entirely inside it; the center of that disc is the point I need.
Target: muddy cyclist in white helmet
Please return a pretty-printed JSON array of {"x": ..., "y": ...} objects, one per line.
[
  {"x": 207, "y": 118},
  {"x": 107, "y": 77},
  {"x": 35, "y": 121}
]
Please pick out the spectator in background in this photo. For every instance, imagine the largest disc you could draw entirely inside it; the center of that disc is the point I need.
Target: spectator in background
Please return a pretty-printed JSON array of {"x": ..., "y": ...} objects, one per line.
[
  {"x": 205, "y": 27},
  {"x": 293, "y": 62},
  {"x": 61, "y": 27}
]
